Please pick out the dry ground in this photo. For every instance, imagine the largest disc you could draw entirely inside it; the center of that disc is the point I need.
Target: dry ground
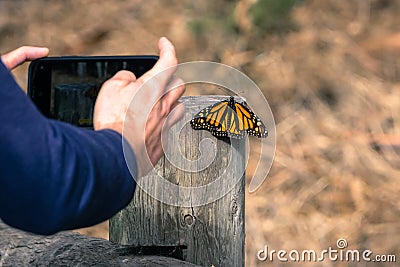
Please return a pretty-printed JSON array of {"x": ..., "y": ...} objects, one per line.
[{"x": 333, "y": 83}]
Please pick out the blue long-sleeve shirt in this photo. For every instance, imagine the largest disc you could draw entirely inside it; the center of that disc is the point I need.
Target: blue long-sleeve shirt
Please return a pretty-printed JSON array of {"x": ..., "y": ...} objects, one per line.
[{"x": 55, "y": 176}]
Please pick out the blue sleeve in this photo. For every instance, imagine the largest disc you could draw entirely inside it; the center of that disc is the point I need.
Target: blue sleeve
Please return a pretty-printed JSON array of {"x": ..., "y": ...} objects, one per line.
[{"x": 55, "y": 176}]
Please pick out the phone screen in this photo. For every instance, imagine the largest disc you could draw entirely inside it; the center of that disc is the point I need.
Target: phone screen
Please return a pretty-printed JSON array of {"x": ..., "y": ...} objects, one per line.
[{"x": 66, "y": 88}]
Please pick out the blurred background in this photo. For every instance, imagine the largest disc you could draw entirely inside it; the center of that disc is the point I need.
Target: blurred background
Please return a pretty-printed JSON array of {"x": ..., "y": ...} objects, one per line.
[{"x": 330, "y": 71}]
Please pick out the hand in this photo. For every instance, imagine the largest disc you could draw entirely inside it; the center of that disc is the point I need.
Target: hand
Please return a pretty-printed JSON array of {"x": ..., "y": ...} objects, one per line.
[
  {"x": 139, "y": 108},
  {"x": 20, "y": 55}
]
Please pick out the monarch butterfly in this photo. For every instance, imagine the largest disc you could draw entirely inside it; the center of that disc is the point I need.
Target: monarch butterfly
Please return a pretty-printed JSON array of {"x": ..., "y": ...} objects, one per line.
[{"x": 229, "y": 118}]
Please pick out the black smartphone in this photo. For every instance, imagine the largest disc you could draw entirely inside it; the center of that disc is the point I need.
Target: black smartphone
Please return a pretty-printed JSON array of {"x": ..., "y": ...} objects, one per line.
[{"x": 65, "y": 88}]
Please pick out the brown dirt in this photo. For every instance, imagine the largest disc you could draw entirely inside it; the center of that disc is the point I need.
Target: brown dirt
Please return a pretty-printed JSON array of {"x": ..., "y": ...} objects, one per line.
[{"x": 333, "y": 85}]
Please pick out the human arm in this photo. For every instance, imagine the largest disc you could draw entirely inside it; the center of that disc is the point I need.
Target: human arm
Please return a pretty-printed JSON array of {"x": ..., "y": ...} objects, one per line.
[{"x": 55, "y": 176}]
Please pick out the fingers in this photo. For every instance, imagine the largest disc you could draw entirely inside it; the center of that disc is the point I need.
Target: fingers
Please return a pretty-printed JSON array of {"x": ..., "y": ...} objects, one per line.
[
  {"x": 166, "y": 63},
  {"x": 23, "y": 54},
  {"x": 125, "y": 76},
  {"x": 177, "y": 113},
  {"x": 163, "y": 107},
  {"x": 120, "y": 80},
  {"x": 175, "y": 90}
]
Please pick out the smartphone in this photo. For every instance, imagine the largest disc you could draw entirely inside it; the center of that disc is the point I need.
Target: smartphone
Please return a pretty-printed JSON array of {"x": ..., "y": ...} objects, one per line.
[{"x": 65, "y": 88}]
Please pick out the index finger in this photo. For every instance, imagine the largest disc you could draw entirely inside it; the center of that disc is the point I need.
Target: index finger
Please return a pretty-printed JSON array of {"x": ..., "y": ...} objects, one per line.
[{"x": 20, "y": 55}]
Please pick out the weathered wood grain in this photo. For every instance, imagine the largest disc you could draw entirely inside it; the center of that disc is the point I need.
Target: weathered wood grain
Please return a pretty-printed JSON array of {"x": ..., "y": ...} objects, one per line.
[
  {"x": 206, "y": 234},
  {"x": 19, "y": 248}
]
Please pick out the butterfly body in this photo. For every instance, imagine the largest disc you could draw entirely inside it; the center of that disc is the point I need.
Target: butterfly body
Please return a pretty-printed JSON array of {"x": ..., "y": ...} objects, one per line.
[{"x": 229, "y": 118}]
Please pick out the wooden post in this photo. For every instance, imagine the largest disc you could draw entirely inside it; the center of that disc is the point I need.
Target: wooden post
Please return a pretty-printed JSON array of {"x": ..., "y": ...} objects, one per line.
[{"x": 209, "y": 234}]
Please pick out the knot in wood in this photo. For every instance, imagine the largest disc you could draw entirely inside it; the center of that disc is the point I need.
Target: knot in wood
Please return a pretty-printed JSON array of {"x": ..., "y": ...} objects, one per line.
[{"x": 188, "y": 218}]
